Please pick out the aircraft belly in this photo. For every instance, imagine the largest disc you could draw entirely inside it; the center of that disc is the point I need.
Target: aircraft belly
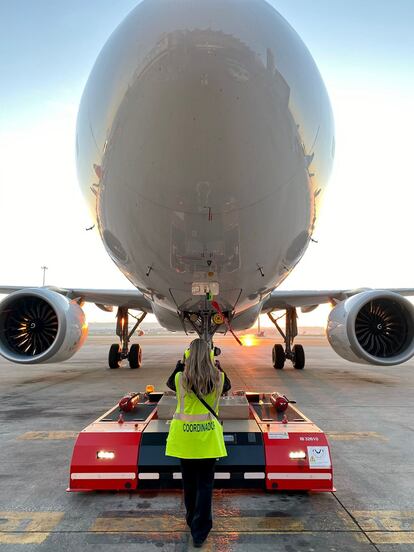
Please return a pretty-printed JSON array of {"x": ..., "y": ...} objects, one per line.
[{"x": 247, "y": 251}]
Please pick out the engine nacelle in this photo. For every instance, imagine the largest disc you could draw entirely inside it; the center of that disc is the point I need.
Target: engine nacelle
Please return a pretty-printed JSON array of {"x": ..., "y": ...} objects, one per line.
[
  {"x": 373, "y": 327},
  {"x": 39, "y": 325}
]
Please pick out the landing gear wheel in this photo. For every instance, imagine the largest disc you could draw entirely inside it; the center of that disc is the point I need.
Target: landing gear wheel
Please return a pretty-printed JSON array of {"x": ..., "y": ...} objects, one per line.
[
  {"x": 114, "y": 358},
  {"x": 135, "y": 356},
  {"x": 278, "y": 357},
  {"x": 298, "y": 357}
]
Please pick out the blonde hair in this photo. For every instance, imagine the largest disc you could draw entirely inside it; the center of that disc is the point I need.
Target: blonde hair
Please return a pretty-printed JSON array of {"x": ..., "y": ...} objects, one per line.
[{"x": 200, "y": 374}]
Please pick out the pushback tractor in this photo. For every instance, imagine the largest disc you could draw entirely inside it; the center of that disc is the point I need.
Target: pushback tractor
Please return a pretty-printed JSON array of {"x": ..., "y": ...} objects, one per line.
[{"x": 270, "y": 445}]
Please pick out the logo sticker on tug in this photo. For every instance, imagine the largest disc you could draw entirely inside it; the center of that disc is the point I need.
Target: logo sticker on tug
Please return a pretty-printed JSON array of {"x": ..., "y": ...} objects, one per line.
[{"x": 319, "y": 457}]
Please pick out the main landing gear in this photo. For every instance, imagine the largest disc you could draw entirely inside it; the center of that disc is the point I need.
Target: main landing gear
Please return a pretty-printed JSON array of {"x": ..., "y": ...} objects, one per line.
[
  {"x": 119, "y": 352},
  {"x": 295, "y": 353}
]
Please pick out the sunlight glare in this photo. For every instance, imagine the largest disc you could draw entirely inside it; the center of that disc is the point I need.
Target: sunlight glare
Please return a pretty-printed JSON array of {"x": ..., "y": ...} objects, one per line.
[{"x": 248, "y": 340}]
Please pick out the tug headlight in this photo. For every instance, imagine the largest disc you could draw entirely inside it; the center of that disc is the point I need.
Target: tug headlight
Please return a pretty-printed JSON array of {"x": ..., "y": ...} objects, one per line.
[
  {"x": 297, "y": 455},
  {"x": 105, "y": 455}
]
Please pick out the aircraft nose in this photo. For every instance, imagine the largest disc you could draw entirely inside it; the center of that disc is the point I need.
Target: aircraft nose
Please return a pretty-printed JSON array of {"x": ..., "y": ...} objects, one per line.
[{"x": 195, "y": 106}]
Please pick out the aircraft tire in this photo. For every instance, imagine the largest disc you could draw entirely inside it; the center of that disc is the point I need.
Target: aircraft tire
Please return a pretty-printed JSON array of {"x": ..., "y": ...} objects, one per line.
[
  {"x": 114, "y": 358},
  {"x": 299, "y": 357},
  {"x": 135, "y": 356},
  {"x": 278, "y": 357}
]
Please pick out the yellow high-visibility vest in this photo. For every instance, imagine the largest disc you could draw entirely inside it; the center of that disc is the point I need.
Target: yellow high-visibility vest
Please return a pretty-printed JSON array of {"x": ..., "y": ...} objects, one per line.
[{"x": 194, "y": 431}]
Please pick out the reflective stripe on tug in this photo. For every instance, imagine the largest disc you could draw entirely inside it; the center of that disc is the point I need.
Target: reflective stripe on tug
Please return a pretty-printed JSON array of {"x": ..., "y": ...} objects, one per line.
[
  {"x": 145, "y": 475},
  {"x": 254, "y": 475},
  {"x": 299, "y": 476},
  {"x": 76, "y": 476},
  {"x": 227, "y": 475},
  {"x": 222, "y": 475}
]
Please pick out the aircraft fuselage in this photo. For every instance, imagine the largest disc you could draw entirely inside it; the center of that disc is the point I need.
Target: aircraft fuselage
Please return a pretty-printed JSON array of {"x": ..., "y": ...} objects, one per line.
[{"x": 204, "y": 144}]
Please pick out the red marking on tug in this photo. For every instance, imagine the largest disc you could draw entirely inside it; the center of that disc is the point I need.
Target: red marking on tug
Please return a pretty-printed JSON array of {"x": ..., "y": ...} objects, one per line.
[{"x": 270, "y": 445}]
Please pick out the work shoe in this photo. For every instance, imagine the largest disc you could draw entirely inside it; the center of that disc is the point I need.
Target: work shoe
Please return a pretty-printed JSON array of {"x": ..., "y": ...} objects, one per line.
[{"x": 198, "y": 543}]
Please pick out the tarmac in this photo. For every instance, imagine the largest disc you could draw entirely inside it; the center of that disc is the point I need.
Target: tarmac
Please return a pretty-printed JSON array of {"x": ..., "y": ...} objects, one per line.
[{"x": 367, "y": 412}]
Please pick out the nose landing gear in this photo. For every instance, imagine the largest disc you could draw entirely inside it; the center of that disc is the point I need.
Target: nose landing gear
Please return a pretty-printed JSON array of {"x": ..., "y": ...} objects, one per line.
[
  {"x": 295, "y": 353},
  {"x": 119, "y": 352}
]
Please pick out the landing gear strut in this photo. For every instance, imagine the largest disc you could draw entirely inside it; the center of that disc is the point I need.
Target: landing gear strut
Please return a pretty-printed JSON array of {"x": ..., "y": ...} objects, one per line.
[
  {"x": 295, "y": 353},
  {"x": 117, "y": 353}
]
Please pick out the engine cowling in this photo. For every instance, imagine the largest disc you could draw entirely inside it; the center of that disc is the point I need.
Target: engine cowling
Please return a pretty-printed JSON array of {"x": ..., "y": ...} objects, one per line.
[
  {"x": 373, "y": 327},
  {"x": 39, "y": 325}
]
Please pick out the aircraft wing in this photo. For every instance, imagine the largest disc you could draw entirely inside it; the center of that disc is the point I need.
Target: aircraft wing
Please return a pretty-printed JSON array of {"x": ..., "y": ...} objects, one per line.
[
  {"x": 308, "y": 300},
  {"x": 133, "y": 299}
]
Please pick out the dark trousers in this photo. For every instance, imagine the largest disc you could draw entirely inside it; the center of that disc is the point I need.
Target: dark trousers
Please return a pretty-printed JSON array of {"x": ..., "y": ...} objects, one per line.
[{"x": 198, "y": 482}]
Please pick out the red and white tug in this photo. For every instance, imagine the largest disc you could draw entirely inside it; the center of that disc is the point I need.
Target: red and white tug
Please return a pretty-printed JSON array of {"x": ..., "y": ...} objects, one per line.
[{"x": 270, "y": 445}]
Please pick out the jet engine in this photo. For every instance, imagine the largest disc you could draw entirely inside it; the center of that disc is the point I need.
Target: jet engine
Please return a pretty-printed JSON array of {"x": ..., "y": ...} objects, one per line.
[
  {"x": 39, "y": 325},
  {"x": 373, "y": 327}
]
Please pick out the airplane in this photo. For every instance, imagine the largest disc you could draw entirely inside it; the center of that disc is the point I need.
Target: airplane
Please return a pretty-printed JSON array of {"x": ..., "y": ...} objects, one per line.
[{"x": 204, "y": 144}]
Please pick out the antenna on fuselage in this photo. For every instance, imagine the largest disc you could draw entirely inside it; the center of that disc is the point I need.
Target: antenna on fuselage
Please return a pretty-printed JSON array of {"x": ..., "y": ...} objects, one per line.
[{"x": 44, "y": 268}]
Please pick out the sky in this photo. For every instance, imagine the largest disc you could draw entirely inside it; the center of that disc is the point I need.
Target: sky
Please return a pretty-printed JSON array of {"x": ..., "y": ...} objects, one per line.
[{"x": 365, "y": 53}]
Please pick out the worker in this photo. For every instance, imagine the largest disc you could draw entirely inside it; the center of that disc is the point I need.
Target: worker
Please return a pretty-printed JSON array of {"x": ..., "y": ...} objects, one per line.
[{"x": 196, "y": 434}]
